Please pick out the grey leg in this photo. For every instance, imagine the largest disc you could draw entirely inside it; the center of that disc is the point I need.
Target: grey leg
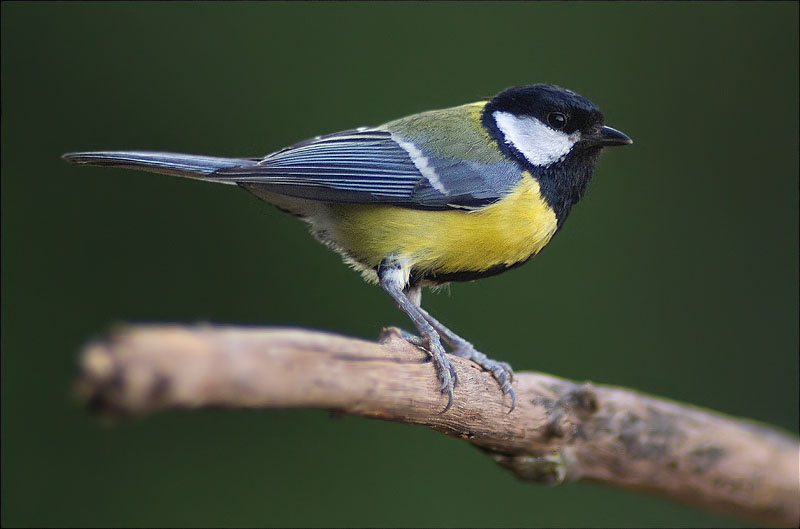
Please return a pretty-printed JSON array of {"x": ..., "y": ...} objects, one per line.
[
  {"x": 392, "y": 280},
  {"x": 415, "y": 295}
]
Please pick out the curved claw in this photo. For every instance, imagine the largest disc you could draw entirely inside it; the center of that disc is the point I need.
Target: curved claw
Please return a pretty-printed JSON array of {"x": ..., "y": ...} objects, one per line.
[
  {"x": 502, "y": 373},
  {"x": 444, "y": 369},
  {"x": 449, "y": 401},
  {"x": 513, "y": 400},
  {"x": 510, "y": 391},
  {"x": 446, "y": 380},
  {"x": 453, "y": 374}
]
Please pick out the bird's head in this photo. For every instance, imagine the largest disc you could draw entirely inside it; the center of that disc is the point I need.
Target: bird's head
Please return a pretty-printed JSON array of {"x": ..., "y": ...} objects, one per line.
[{"x": 542, "y": 124}]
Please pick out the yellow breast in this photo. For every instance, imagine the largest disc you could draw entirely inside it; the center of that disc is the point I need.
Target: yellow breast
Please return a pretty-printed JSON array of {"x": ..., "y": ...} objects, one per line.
[{"x": 443, "y": 242}]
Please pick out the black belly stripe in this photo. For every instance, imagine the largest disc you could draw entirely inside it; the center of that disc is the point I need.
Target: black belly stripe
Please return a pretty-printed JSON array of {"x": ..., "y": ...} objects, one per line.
[{"x": 416, "y": 277}]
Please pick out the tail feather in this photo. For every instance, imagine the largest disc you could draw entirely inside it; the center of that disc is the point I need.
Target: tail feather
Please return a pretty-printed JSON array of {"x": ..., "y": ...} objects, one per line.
[{"x": 186, "y": 165}]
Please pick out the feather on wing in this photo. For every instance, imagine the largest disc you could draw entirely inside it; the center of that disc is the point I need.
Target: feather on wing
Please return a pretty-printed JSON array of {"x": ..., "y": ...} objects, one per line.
[{"x": 373, "y": 166}]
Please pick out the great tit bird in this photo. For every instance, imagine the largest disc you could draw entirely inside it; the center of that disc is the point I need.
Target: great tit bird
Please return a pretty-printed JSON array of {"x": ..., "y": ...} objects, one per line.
[{"x": 446, "y": 195}]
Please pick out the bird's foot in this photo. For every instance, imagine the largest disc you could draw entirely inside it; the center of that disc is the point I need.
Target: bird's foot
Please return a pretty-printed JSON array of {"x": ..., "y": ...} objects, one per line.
[
  {"x": 501, "y": 371},
  {"x": 444, "y": 368},
  {"x": 445, "y": 371}
]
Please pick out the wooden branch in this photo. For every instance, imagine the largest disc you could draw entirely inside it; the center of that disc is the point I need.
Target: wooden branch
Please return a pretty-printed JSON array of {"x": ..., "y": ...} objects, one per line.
[{"x": 560, "y": 430}]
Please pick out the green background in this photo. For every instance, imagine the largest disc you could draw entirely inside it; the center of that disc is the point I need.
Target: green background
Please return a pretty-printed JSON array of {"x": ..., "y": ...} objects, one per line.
[{"x": 677, "y": 275}]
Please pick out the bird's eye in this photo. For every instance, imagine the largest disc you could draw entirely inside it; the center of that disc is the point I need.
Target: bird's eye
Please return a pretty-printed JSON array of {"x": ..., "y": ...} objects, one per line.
[{"x": 557, "y": 120}]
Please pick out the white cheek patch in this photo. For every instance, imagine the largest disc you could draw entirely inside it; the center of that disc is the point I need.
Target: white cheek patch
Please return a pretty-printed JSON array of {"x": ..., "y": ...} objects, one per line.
[{"x": 540, "y": 144}]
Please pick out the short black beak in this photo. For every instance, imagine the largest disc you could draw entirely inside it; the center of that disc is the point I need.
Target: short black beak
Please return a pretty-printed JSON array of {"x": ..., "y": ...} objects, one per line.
[{"x": 608, "y": 137}]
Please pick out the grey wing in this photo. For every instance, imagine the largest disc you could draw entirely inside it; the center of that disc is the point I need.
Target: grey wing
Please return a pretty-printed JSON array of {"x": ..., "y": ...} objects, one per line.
[
  {"x": 372, "y": 166},
  {"x": 357, "y": 166}
]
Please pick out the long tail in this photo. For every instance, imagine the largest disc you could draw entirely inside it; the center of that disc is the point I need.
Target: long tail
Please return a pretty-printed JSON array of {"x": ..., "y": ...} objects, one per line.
[{"x": 185, "y": 165}]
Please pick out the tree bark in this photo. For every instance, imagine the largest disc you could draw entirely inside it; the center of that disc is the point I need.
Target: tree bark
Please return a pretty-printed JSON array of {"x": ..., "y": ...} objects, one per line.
[{"x": 559, "y": 431}]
